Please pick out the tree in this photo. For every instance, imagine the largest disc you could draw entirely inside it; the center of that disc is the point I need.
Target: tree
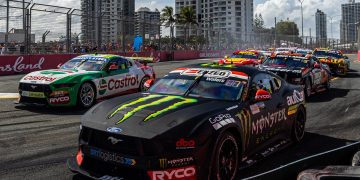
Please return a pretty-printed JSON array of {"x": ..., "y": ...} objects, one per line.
[
  {"x": 258, "y": 23},
  {"x": 288, "y": 30},
  {"x": 187, "y": 17},
  {"x": 169, "y": 19}
]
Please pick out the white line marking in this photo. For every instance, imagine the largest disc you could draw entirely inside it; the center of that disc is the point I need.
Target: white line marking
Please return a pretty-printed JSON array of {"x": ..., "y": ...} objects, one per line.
[
  {"x": 347, "y": 109},
  {"x": 9, "y": 95}
]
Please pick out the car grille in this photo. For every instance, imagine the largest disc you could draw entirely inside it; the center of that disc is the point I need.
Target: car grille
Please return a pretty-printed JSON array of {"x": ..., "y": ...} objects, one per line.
[
  {"x": 33, "y": 100},
  {"x": 35, "y": 88},
  {"x": 102, "y": 168},
  {"x": 130, "y": 146}
]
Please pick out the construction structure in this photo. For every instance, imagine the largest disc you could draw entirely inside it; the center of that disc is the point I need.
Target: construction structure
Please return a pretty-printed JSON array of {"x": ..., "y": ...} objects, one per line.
[{"x": 147, "y": 23}]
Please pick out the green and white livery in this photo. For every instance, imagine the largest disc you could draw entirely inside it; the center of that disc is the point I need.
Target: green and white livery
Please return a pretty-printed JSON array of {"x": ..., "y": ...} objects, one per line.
[{"x": 83, "y": 80}]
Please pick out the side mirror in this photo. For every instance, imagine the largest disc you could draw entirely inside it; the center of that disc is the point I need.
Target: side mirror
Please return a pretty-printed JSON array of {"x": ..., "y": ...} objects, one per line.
[
  {"x": 59, "y": 65},
  {"x": 317, "y": 65},
  {"x": 226, "y": 57},
  {"x": 113, "y": 67},
  {"x": 262, "y": 95},
  {"x": 149, "y": 83}
]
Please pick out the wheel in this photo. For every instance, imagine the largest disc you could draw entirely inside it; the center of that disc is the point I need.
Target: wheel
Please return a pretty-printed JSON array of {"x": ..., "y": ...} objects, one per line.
[
  {"x": 307, "y": 88},
  {"x": 327, "y": 85},
  {"x": 356, "y": 159},
  {"x": 86, "y": 95},
  {"x": 142, "y": 87},
  {"x": 298, "y": 129},
  {"x": 226, "y": 162}
]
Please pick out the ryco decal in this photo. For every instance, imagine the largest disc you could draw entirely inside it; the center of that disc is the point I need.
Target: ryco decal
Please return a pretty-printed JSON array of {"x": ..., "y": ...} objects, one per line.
[
  {"x": 120, "y": 83},
  {"x": 163, "y": 99},
  {"x": 221, "y": 120},
  {"x": 187, "y": 173},
  {"x": 297, "y": 97},
  {"x": 245, "y": 120},
  {"x": 59, "y": 100},
  {"x": 268, "y": 121},
  {"x": 39, "y": 78},
  {"x": 172, "y": 163}
]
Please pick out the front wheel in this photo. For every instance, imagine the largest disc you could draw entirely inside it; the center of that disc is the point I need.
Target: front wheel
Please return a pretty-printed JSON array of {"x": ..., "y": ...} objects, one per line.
[
  {"x": 298, "y": 129},
  {"x": 225, "y": 165},
  {"x": 86, "y": 95},
  {"x": 142, "y": 87}
]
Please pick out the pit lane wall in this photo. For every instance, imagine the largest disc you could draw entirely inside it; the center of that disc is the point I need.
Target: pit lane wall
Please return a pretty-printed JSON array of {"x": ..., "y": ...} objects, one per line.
[{"x": 21, "y": 64}]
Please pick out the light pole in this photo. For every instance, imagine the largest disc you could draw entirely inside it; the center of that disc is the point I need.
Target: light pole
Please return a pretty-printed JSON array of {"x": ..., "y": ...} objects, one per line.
[{"x": 302, "y": 20}]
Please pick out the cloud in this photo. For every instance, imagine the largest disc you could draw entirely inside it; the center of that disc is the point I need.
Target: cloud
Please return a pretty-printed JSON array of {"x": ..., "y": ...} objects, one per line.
[{"x": 283, "y": 9}]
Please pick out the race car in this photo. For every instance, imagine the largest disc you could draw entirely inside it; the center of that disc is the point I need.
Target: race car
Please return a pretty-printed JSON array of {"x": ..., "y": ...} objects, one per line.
[
  {"x": 202, "y": 121},
  {"x": 304, "y": 52},
  {"x": 338, "y": 63},
  {"x": 306, "y": 71},
  {"x": 83, "y": 80},
  {"x": 242, "y": 57}
]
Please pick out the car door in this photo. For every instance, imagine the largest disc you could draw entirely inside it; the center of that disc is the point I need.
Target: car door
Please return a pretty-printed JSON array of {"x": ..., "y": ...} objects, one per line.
[{"x": 266, "y": 115}]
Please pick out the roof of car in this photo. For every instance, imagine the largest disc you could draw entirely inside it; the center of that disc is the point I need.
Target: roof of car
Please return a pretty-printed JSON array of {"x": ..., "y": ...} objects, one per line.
[
  {"x": 107, "y": 56},
  {"x": 231, "y": 67}
]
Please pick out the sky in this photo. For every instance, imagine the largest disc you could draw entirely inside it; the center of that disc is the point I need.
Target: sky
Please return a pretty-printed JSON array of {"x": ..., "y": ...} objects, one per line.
[{"x": 282, "y": 9}]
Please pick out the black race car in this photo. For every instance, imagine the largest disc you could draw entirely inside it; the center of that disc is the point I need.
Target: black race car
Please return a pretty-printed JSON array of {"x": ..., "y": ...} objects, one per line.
[
  {"x": 202, "y": 121},
  {"x": 306, "y": 71}
]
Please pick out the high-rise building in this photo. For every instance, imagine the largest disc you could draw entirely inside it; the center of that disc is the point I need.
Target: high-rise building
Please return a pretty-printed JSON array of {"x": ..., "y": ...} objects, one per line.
[
  {"x": 350, "y": 17},
  {"x": 180, "y": 30},
  {"x": 225, "y": 16},
  {"x": 320, "y": 19},
  {"x": 147, "y": 23},
  {"x": 104, "y": 21}
]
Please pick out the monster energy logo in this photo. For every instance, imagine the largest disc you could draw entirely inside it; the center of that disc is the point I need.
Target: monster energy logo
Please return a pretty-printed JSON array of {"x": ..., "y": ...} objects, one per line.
[
  {"x": 163, "y": 99},
  {"x": 245, "y": 120}
]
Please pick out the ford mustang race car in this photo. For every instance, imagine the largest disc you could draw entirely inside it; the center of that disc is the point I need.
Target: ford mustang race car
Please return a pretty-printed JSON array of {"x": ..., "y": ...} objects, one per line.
[
  {"x": 338, "y": 63},
  {"x": 83, "y": 80},
  {"x": 201, "y": 121},
  {"x": 306, "y": 71},
  {"x": 247, "y": 57}
]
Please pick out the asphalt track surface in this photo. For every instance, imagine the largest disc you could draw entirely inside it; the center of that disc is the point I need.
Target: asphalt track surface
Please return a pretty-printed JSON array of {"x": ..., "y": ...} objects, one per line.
[{"x": 35, "y": 142}]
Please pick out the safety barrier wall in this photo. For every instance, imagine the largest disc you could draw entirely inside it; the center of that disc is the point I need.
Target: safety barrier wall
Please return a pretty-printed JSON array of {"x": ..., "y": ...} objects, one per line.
[{"x": 20, "y": 64}]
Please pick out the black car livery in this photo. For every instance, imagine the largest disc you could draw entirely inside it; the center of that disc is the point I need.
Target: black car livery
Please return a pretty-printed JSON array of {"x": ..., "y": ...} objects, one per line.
[
  {"x": 306, "y": 71},
  {"x": 198, "y": 122}
]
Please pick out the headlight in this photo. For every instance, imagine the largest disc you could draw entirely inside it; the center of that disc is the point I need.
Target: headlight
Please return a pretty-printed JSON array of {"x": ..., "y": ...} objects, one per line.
[{"x": 65, "y": 85}]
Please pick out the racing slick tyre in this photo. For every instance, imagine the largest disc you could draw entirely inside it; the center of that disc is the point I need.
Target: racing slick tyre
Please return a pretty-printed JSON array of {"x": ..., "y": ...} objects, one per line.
[
  {"x": 356, "y": 159},
  {"x": 307, "y": 88},
  {"x": 298, "y": 129},
  {"x": 226, "y": 161},
  {"x": 86, "y": 95},
  {"x": 142, "y": 87}
]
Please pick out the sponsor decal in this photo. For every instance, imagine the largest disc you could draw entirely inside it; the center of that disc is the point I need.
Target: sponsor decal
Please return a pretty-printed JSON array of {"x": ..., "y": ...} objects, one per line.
[
  {"x": 172, "y": 163},
  {"x": 210, "y": 72},
  {"x": 183, "y": 144},
  {"x": 163, "y": 99},
  {"x": 125, "y": 82},
  {"x": 296, "y": 98},
  {"x": 233, "y": 83},
  {"x": 114, "y": 140},
  {"x": 114, "y": 130},
  {"x": 209, "y": 55},
  {"x": 107, "y": 177},
  {"x": 273, "y": 148},
  {"x": 187, "y": 173},
  {"x": 215, "y": 80},
  {"x": 262, "y": 95},
  {"x": 33, "y": 94},
  {"x": 39, "y": 78},
  {"x": 232, "y": 107},
  {"x": 18, "y": 66},
  {"x": 254, "y": 109},
  {"x": 59, "y": 100},
  {"x": 260, "y": 104},
  {"x": 59, "y": 93},
  {"x": 245, "y": 120},
  {"x": 102, "y": 86},
  {"x": 292, "y": 109},
  {"x": 221, "y": 120},
  {"x": 111, "y": 157},
  {"x": 268, "y": 121}
]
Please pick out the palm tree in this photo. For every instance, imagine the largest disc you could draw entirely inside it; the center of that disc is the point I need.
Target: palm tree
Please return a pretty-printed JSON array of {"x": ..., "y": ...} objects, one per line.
[
  {"x": 169, "y": 19},
  {"x": 187, "y": 17}
]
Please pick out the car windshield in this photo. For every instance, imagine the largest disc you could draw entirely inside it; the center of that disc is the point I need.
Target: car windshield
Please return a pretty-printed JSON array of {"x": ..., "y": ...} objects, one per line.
[
  {"x": 247, "y": 56},
  {"x": 208, "y": 87},
  {"x": 286, "y": 61},
  {"x": 326, "y": 53},
  {"x": 84, "y": 64}
]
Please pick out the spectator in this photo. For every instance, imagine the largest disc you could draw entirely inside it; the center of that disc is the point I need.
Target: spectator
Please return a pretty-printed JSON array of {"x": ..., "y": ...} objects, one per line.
[{"x": 3, "y": 50}]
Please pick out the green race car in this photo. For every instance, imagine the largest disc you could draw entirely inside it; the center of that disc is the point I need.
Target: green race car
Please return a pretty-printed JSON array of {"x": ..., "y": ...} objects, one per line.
[{"x": 85, "y": 79}]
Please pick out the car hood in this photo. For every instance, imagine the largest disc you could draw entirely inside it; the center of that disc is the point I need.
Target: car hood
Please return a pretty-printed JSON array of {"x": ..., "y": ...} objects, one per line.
[
  {"x": 51, "y": 75},
  {"x": 148, "y": 115}
]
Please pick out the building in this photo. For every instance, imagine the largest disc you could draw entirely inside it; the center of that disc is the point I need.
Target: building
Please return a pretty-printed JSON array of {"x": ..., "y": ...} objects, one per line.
[
  {"x": 320, "y": 21},
  {"x": 147, "y": 23},
  {"x": 350, "y": 16},
  {"x": 232, "y": 17},
  {"x": 104, "y": 21},
  {"x": 16, "y": 36}
]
